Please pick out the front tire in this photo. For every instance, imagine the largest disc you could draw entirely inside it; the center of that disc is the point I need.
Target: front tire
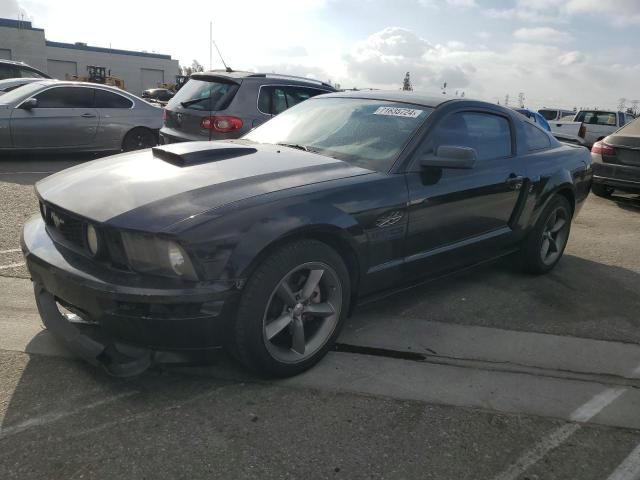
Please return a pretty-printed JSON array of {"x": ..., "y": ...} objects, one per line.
[
  {"x": 545, "y": 244},
  {"x": 292, "y": 309}
]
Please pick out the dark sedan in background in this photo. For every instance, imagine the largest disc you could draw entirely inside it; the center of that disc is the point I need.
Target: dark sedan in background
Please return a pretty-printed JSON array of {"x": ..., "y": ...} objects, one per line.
[
  {"x": 616, "y": 161},
  {"x": 265, "y": 244}
]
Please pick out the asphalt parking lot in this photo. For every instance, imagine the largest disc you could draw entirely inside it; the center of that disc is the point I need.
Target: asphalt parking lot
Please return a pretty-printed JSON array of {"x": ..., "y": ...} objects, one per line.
[{"x": 489, "y": 374}]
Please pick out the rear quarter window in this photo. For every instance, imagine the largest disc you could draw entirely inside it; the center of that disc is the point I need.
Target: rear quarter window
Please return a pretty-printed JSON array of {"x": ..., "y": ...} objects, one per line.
[
  {"x": 104, "y": 99},
  {"x": 535, "y": 139}
]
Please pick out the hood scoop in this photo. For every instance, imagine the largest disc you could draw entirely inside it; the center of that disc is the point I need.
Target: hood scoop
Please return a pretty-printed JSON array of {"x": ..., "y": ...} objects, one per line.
[{"x": 194, "y": 153}]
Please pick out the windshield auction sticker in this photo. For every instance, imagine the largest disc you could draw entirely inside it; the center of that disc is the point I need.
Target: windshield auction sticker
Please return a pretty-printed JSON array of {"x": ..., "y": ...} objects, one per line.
[{"x": 398, "y": 112}]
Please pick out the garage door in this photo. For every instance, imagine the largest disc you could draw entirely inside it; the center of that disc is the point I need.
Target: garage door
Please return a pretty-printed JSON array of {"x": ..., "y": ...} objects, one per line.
[
  {"x": 5, "y": 54},
  {"x": 62, "y": 69},
  {"x": 151, "y": 78}
]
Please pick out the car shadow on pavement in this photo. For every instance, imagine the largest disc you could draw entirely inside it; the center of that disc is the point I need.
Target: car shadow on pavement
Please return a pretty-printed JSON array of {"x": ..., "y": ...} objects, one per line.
[
  {"x": 579, "y": 298},
  {"x": 28, "y": 168},
  {"x": 50, "y": 405},
  {"x": 627, "y": 202}
]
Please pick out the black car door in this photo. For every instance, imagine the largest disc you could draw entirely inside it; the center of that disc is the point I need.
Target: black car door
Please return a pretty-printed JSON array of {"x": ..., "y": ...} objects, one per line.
[{"x": 460, "y": 216}]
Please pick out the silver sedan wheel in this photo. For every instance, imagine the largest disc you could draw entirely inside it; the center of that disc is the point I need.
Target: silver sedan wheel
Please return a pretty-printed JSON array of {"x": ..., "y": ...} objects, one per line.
[
  {"x": 302, "y": 313},
  {"x": 554, "y": 236}
]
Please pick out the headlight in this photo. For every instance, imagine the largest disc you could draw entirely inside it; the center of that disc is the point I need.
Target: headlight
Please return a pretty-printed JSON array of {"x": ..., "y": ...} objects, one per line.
[
  {"x": 148, "y": 254},
  {"x": 93, "y": 240}
]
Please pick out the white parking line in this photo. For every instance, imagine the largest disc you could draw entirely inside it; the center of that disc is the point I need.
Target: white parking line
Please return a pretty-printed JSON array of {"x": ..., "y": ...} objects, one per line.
[
  {"x": 55, "y": 416},
  {"x": 11, "y": 265},
  {"x": 584, "y": 413},
  {"x": 11, "y": 250},
  {"x": 629, "y": 469}
]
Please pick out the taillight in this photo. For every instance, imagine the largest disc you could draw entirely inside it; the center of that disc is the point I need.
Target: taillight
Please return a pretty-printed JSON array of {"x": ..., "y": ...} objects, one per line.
[
  {"x": 164, "y": 114},
  {"x": 221, "y": 123},
  {"x": 602, "y": 148},
  {"x": 583, "y": 131}
]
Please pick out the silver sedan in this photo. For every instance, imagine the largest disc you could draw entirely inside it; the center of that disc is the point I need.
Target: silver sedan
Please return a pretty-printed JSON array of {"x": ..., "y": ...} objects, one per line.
[{"x": 53, "y": 115}]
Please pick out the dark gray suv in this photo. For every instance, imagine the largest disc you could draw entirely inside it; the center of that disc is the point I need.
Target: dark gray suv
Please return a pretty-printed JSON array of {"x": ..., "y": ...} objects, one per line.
[{"x": 220, "y": 104}]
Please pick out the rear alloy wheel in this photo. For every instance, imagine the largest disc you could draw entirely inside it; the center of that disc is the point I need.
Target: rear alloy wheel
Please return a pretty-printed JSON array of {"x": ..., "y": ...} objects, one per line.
[
  {"x": 601, "y": 190},
  {"x": 545, "y": 244},
  {"x": 137, "y": 139},
  {"x": 292, "y": 309}
]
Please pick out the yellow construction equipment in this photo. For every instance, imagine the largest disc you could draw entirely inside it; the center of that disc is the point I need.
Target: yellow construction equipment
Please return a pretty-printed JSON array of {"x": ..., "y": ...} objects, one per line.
[{"x": 97, "y": 74}]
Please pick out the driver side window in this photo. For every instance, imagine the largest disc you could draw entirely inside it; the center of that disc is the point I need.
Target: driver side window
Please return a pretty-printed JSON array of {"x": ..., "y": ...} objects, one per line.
[{"x": 489, "y": 135}]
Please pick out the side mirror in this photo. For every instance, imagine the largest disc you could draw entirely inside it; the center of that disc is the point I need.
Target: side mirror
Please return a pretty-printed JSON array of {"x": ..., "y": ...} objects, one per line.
[
  {"x": 450, "y": 156},
  {"x": 29, "y": 104}
]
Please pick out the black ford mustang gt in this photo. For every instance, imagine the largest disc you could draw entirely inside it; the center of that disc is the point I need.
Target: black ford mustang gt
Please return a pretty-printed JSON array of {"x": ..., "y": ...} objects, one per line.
[{"x": 264, "y": 244}]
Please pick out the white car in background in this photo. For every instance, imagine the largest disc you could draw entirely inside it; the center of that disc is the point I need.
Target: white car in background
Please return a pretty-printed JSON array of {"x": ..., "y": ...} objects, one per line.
[{"x": 600, "y": 123}]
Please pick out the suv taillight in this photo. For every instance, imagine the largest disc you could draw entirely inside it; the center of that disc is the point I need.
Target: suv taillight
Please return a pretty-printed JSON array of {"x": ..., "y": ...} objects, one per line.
[
  {"x": 221, "y": 123},
  {"x": 602, "y": 148}
]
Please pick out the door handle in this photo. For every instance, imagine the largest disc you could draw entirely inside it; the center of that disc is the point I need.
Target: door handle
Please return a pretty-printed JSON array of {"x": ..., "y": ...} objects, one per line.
[
  {"x": 515, "y": 181},
  {"x": 88, "y": 115}
]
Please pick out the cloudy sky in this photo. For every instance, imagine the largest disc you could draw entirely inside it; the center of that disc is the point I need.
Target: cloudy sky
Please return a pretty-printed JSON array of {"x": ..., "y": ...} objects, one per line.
[{"x": 558, "y": 52}]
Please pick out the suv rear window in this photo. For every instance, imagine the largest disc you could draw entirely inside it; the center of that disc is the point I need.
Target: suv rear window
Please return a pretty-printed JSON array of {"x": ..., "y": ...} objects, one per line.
[
  {"x": 597, "y": 118},
  {"x": 205, "y": 95}
]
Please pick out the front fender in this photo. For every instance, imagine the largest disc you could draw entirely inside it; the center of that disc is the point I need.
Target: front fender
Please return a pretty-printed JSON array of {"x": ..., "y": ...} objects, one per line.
[{"x": 230, "y": 246}]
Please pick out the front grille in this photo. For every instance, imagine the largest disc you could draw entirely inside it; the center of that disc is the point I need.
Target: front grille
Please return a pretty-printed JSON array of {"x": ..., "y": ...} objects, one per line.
[{"x": 69, "y": 227}]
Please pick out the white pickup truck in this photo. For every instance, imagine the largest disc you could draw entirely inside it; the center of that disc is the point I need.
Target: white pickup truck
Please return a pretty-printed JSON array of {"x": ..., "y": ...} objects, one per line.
[{"x": 589, "y": 126}]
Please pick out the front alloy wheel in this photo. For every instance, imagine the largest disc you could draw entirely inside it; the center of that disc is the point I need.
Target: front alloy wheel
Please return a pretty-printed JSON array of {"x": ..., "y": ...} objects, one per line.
[
  {"x": 303, "y": 312},
  {"x": 291, "y": 309}
]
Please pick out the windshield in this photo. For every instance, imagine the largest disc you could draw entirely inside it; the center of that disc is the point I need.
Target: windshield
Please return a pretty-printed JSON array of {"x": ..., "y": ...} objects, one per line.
[
  {"x": 367, "y": 133},
  {"x": 204, "y": 95},
  {"x": 24, "y": 91}
]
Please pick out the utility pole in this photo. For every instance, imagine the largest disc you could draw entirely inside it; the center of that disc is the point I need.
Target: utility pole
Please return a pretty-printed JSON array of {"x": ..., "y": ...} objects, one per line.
[
  {"x": 406, "y": 83},
  {"x": 622, "y": 102},
  {"x": 521, "y": 99},
  {"x": 506, "y": 100},
  {"x": 210, "y": 45}
]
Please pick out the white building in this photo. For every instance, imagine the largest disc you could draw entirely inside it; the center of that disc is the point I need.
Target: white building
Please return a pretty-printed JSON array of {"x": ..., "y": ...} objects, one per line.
[{"x": 139, "y": 70}]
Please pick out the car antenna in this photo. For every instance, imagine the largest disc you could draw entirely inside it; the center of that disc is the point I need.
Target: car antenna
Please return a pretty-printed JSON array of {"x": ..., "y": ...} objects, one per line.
[{"x": 227, "y": 69}]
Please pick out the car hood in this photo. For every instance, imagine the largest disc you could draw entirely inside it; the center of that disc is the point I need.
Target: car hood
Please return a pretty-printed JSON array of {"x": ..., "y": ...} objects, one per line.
[{"x": 154, "y": 189}]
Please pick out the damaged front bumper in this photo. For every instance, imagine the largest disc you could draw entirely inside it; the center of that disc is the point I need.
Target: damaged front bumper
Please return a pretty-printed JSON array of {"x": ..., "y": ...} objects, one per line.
[{"x": 126, "y": 317}]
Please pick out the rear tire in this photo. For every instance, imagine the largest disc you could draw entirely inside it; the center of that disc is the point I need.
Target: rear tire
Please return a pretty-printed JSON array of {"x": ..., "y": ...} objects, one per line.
[
  {"x": 545, "y": 244},
  {"x": 138, "y": 138},
  {"x": 602, "y": 190},
  {"x": 292, "y": 309}
]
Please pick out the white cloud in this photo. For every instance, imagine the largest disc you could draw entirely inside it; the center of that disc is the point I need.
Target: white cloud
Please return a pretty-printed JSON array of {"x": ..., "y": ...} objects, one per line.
[
  {"x": 11, "y": 9},
  {"x": 579, "y": 78},
  {"x": 542, "y": 35},
  {"x": 618, "y": 12},
  {"x": 462, "y": 3}
]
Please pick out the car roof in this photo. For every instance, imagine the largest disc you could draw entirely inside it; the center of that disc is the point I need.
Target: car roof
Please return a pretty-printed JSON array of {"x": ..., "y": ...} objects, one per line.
[
  {"x": 241, "y": 75},
  {"x": 14, "y": 62},
  {"x": 400, "y": 96},
  {"x": 10, "y": 81}
]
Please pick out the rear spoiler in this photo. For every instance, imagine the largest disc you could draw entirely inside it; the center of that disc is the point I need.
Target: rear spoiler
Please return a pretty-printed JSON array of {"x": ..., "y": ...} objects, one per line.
[{"x": 208, "y": 77}]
